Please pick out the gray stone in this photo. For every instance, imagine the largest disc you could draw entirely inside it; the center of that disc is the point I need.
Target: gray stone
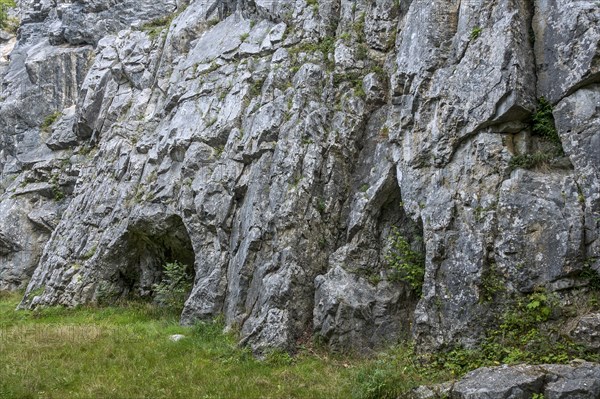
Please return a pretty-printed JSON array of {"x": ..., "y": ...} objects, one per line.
[
  {"x": 517, "y": 382},
  {"x": 218, "y": 134},
  {"x": 575, "y": 381},
  {"x": 587, "y": 331},
  {"x": 176, "y": 337}
]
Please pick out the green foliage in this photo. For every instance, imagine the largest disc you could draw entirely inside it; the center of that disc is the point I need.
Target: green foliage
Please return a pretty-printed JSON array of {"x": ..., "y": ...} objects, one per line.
[
  {"x": 314, "y": 4},
  {"x": 212, "y": 22},
  {"x": 325, "y": 46},
  {"x": 244, "y": 36},
  {"x": 543, "y": 124},
  {"x": 175, "y": 286},
  {"x": 531, "y": 161},
  {"x": 4, "y": 6},
  {"x": 57, "y": 191},
  {"x": 321, "y": 206},
  {"x": 91, "y": 252},
  {"x": 393, "y": 374},
  {"x": 256, "y": 88},
  {"x": 359, "y": 28},
  {"x": 525, "y": 334},
  {"x": 353, "y": 78},
  {"x": 492, "y": 283},
  {"x": 475, "y": 32},
  {"x": 277, "y": 357},
  {"x": 591, "y": 275},
  {"x": 362, "y": 51},
  {"x": 407, "y": 265},
  {"x": 49, "y": 121},
  {"x": 156, "y": 26}
]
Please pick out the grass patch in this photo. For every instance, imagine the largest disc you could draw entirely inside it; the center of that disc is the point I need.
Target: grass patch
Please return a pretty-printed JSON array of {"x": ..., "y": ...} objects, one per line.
[
  {"x": 531, "y": 161},
  {"x": 124, "y": 352},
  {"x": 326, "y": 46},
  {"x": 394, "y": 373},
  {"x": 156, "y": 26},
  {"x": 475, "y": 32}
]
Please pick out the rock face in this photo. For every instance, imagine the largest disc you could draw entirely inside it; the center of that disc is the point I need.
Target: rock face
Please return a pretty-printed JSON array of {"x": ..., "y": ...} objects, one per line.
[
  {"x": 276, "y": 147},
  {"x": 581, "y": 381}
]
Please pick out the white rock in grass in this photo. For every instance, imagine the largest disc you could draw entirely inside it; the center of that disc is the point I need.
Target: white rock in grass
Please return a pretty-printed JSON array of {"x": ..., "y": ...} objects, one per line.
[{"x": 176, "y": 337}]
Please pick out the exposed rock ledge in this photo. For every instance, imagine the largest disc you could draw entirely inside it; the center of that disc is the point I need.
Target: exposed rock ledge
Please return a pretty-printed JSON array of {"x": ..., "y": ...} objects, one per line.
[{"x": 579, "y": 380}]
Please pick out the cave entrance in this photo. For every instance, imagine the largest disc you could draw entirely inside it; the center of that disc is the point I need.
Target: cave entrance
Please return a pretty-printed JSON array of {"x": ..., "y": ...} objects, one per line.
[{"x": 151, "y": 244}]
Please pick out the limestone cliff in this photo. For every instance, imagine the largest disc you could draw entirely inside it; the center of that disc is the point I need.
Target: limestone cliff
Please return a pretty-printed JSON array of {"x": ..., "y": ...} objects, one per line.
[{"x": 278, "y": 145}]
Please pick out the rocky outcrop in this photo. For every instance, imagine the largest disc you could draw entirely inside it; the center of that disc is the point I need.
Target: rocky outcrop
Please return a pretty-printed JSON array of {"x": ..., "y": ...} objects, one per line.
[
  {"x": 277, "y": 146},
  {"x": 521, "y": 382}
]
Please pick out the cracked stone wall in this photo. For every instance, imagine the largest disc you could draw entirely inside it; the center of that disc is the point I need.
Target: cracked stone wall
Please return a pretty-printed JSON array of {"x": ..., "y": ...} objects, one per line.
[{"x": 276, "y": 146}]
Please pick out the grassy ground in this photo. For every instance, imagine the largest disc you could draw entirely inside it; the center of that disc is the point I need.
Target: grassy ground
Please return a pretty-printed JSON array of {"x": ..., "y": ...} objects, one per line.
[{"x": 124, "y": 353}]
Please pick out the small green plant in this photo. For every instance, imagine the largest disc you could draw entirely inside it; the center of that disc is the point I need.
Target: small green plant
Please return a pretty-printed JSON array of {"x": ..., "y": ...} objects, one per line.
[
  {"x": 543, "y": 124},
  {"x": 475, "y": 32},
  {"x": 321, "y": 206},
  {"x": 49, "y": 121},
  {"x": 244, "y": 36},
  {"x": 314, "y": 4},
  {"x": 407, "y": 265},
  {"x": 591, "y": 275},
  {"x": 362, "y": 51},
  {"x": 57, "y": 191},
  {"x": 156, "y": 26},
  {"x": 175, "y": 286},
  {"x": 359, "y": 91},
  {"x": 492, "y": 283},
  {"x": 394, "y": 373},
  {"x": 325, "y": 46},
  {"x": 525, "y": 334},
  {"x": 359, "y": 27},
  {"x": 531, "y": 161},
  {"x": 256, "y": 88},
  {"x": 219, "y": 151},
  {"x": 91, "y": 252},
  {"x": 278, "y": 357}
]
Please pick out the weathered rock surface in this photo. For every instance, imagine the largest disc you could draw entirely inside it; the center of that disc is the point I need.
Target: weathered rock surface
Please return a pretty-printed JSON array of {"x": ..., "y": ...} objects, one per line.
[
  {"x": 576, "y": 381},
  {"x": 587, "y": 330},
  {"x": 277, "y": 145}
]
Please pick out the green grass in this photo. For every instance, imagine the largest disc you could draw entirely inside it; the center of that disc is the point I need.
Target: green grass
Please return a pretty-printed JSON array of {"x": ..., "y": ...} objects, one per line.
[
  {"x": 124, "y": 352},
  {"x": 4, "y": 6}
]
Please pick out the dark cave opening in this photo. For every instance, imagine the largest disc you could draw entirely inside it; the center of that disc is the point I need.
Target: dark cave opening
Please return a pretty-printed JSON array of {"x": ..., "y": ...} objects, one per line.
[{"x": 149, "y": 245}]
